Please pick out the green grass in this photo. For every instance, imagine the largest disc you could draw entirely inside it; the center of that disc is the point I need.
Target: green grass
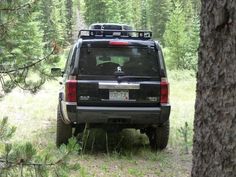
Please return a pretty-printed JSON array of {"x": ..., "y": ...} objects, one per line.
[
  {"x": 129, "y": 152},
  {"x": 182, "y": 99},
  {"x": 31, "y": 113}
]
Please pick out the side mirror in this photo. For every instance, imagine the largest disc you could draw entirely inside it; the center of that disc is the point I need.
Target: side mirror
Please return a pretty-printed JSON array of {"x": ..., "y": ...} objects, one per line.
[{"x": 56, "y": 72}]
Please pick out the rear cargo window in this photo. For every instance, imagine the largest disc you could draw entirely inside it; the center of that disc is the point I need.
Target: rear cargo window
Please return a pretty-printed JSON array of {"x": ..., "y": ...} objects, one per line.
[{"x": 105, "y": 61}]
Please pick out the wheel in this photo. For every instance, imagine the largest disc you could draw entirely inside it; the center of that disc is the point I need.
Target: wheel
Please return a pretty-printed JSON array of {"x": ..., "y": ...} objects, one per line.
[
  {"x": 158, "y": 136},
  {"x": 64, "y": 131}
]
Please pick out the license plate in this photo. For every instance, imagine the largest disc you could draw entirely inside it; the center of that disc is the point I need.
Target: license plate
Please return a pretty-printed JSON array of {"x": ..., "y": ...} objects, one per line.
[{"x": 119, "y": 95}]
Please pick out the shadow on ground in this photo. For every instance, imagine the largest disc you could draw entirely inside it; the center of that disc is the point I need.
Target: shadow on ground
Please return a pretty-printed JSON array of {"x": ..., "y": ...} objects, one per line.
[
  {"x": 95, "y": 141},
  {"x": 98, "y": 140}
]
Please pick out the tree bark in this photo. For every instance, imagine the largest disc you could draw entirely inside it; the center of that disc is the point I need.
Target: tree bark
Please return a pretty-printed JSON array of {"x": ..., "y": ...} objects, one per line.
[{"x": 214, "y": 151}]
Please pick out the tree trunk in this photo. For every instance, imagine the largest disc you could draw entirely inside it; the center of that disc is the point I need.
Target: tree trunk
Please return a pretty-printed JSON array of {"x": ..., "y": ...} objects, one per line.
[{"x": 214, "y": 151}]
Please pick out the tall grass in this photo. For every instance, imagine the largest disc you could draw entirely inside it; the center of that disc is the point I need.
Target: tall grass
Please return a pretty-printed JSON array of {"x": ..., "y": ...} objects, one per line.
[{"x": 182, "y": 99}]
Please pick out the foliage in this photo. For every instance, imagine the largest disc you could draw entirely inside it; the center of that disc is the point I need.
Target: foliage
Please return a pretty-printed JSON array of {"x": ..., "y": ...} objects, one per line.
[
  {"x": 158, "y": 16},
  {"x": 6, "y": 131},
  {"x": 32, "y": 33},
  {"x": 25, "y": 159},
  {"x": 174, "y": 24},
  {"x": 181, "y": 75},
  {"x": 95, "y": 11},
  {"x": 176, "y": 37},
  {"x": 181, "y": 39},
  {"x": 185, "y": 134},
  {"x": 115, "y": 12}
]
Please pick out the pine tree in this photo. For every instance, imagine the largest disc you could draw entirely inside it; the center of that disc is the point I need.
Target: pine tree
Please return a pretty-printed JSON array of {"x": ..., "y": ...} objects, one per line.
[
  {"x": 112, "y": 11},
  {"x": 158, "y": 15},
  {"x": 182, "y": 38},
  {"x": 29, "y": 31},
  {"x": 125, "y": 11},
  {"x": 135, "y": 14},
  {"x": 24, "y": 159},
  {"x": 144, "y": 14},
  {"x": 196, "y": 6},
  {"x": 192, "y": 43},
  {"x": 52, "y": 15},
  {"x": 95, "y": 11},
  {"x": 176, "y": 37},
  {"x": 69, "y": 19}
]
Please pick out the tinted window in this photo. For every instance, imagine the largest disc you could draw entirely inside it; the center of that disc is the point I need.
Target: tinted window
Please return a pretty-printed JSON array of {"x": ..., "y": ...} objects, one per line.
[
  {"x": 105, "y": 61},
  {"x": 68, "y": 60}
]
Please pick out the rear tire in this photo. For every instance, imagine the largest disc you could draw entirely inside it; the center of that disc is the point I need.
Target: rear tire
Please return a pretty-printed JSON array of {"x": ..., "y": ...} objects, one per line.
[
  {"x": 64, "y": 131},
  {"x": 159, "y": 136}
]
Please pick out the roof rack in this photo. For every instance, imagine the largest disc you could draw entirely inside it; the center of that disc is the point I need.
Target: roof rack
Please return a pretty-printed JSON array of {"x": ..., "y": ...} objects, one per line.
[
  {"x": 110, "y": 26},
  {"x": 101, "y": 33}
]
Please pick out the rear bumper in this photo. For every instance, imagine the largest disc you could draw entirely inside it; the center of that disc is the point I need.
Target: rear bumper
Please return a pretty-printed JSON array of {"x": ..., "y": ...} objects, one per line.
[{"x": 118, "y": 115}]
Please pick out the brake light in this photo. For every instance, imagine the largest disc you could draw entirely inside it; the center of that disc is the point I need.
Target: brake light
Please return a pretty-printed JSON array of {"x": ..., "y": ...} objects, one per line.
[
  {"x": 118, "y": 43},
  {"x": 71, "y": 90},
  {"x": 164, "y": 92}
]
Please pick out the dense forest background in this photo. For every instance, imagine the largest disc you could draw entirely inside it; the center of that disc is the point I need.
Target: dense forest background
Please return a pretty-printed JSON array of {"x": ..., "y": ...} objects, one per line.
[
  {"x": 31, "y": 31},
  {"x": 175, "y": 23}
]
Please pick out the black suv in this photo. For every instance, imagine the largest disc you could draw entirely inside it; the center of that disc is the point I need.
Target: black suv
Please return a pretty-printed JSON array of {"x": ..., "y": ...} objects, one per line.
[{"x": 115, "y": 79}]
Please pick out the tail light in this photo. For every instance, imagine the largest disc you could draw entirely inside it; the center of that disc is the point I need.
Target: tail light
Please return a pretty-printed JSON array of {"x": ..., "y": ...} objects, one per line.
[
  {"x": 164, "y": 92},
  {"x": 118, "y": 43},
  {"x": 71, "y": 90}
]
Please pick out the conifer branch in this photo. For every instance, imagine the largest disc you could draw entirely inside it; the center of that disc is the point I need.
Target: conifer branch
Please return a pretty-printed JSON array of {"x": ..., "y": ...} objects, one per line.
[
  {"x": 6, "y": 164},
  {"x": 29, "y": 65},
  {"x": 26, "y": 5}
]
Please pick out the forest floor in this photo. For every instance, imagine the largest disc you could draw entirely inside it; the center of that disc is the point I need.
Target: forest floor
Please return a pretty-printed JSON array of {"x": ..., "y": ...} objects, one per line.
[{"x": 128, "y": 152}]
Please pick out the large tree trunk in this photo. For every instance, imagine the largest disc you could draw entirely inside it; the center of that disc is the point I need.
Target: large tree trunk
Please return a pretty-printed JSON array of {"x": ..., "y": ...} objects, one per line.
[{"x": 214, "y": 151}]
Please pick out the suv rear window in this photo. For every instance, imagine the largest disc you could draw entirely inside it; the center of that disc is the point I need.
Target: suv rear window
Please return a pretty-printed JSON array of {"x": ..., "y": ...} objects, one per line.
[{"x": 132, "y": 61}]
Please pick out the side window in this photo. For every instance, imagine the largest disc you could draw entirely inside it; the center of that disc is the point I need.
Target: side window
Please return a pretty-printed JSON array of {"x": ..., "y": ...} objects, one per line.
[
  {"x": 68, "y": 61},
  {"x": 73, "y": 55},
  {"x": 162, "y": 63}
]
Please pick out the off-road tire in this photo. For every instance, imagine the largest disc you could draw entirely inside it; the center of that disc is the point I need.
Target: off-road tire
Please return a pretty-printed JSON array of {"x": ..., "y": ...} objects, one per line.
[
  {"x": 159, "y": 136},
  {"x": 64, "y": 131}
]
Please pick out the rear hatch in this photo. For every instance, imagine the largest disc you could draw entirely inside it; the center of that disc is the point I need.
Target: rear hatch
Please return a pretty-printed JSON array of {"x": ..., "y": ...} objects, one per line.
[{"x": 118, "y": 73}]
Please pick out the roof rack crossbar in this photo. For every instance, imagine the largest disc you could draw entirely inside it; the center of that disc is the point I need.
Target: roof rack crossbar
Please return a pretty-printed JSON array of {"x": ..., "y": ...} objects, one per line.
[{"x": 93, "y": 33}]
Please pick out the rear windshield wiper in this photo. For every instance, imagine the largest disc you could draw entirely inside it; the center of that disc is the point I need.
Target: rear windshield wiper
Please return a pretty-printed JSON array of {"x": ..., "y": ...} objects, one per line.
[{"x": 133, "y": 78}]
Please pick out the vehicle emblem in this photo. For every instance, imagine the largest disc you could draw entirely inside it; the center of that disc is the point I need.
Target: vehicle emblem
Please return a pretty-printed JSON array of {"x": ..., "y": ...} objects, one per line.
[{"x": 119, "y": 69}]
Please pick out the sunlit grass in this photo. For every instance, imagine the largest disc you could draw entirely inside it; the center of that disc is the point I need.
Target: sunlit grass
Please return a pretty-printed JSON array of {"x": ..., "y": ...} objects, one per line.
[
  {"x": 182, "y": 99},
  {"x": 30, "y": 112}
]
